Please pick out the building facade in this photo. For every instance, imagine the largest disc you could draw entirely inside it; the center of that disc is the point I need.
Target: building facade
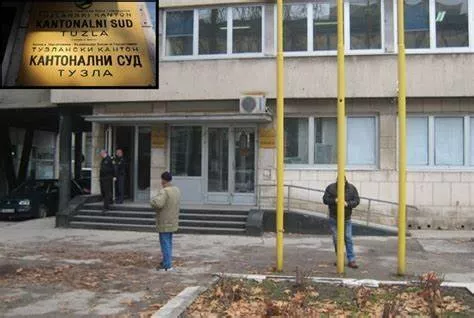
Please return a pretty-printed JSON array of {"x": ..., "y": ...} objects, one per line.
[{"x": 213, "y": 54}]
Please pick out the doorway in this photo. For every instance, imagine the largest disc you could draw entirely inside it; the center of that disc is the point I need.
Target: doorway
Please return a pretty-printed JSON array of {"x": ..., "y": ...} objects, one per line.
[
  {"x": 231, "y": 165},
  {"x": 135, "y": 142}
]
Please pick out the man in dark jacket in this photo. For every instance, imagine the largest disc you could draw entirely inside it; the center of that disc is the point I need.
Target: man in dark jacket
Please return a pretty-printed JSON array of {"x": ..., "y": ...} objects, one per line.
[
  {"x": 107, "y": 172},
  {"x": 352, "y": 200},
  {"x": 120, "y": 175}
]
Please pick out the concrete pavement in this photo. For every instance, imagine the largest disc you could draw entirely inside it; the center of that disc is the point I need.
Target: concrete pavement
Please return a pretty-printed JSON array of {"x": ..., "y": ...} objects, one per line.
[{"x": 46, "y": 271}]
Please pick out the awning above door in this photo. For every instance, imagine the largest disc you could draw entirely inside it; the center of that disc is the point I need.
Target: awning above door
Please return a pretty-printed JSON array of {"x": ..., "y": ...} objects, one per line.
[{"x": 179, "y": 118}]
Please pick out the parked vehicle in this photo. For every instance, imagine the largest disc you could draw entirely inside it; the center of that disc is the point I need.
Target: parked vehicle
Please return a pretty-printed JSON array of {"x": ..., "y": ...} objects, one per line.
[{"x": 35, "y": 198}]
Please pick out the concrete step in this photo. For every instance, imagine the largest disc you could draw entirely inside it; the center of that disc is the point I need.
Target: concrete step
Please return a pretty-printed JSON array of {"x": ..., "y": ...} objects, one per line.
[
  {"x": 149, "y": 228},
  {"x": 117, "y": 213},
  {"x": 213, "y": 224},
  {"x": 91, "y": 208},
  {"x": 211, "y": 216},
  {"x": 113, "y": 219}
]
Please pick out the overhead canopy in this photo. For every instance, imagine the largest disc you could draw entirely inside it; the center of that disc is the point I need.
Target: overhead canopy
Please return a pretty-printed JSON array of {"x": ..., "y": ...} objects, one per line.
[{"x": 177, "y": 118}]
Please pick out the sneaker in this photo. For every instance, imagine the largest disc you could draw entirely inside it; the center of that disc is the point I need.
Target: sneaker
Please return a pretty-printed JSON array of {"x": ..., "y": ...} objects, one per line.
[
  {"x": 353, "y": 265},
  {"x": 171, "y": 269}
]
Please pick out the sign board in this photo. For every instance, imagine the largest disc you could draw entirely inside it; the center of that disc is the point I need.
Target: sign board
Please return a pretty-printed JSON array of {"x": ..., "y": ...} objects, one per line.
[
  {"x": 267, "y": 137},
  {"x": 158, "y": 137},
  {"x": 85, "y": 43}
]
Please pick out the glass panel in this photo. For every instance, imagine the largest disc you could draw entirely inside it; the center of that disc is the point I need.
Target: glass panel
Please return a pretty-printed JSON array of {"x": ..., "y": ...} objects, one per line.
[
  {"x": 247, "y": 29},
  {"x": 213, "y": 31},
  {"x": 472, "y": 141},
  {"x": 449, "y": 141},
  {"x": 325, "y": 138},
  {"x": 186, "y": 151},
  {"x": 296, "y": 140},
  {"x": 179, "y": 33},
  {"x": 144, "y": 158},
  {"x": 244, "y": 160},
  {"x": 325, "y": 25},
  {"x": 8, "y": 16},
  {"x": 417, "y": 24},
  {"x": 452, "y": 27},
  {"x": 417, "y": 141},
  {"x": 361, "y": 136},
  {"x": 295, "y": 28},
  {"x": 218, "y": 164},
  {"x": 365, "y": 24}
]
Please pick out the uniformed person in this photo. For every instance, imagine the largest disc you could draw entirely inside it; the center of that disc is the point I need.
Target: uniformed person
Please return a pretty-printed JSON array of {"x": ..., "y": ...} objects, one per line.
[
  {"x": 107, "y": 172},
  {"x": 120, "y": 172}
]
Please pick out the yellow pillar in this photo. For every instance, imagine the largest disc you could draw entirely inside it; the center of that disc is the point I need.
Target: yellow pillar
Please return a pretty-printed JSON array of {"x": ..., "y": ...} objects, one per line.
[
  {"x": 280, "y": 138},
  {"x": 402, "y": 161},
  {"x": 341, "y": 136}
]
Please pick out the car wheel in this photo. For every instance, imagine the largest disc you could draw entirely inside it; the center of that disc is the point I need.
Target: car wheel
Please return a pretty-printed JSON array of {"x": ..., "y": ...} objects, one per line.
[{"x": 42, "y": 212}]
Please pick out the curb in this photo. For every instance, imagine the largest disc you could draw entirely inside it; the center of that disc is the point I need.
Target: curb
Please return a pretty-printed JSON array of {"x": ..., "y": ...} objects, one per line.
[
  {"x": 349, "y": 282},
  {"x": 177, "y": 305}
]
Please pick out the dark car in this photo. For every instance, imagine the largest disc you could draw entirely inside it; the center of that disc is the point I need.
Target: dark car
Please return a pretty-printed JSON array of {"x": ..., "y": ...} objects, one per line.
[{"x": 35, "y": 198}]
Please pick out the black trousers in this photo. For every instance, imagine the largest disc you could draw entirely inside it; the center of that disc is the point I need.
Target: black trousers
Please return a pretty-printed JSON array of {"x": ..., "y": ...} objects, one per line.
[
  {"x": 106, "y": 184},
  {"x": 119, "y": 189}
]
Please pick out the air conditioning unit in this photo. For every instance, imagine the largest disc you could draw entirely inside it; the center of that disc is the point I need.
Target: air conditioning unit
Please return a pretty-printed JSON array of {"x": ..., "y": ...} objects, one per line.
[{"x": 252, "y": 104}]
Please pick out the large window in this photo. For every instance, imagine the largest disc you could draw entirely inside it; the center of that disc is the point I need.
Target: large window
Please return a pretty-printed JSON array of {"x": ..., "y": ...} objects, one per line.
[
  {"x": 295, "y": 24},
  {"x": 446, "y": 141},
  {"x": 219, "y": 31},
  {"x": 179, "y": 33},
  {"x": 185, "y": 147},
  {"x": 213, "y": 31},
  {"x": 313, "y": 141},
  {"x": 437, "y": 24},
  {"x": 364, "y": 18},
  {"x": 365, "y": 24}
]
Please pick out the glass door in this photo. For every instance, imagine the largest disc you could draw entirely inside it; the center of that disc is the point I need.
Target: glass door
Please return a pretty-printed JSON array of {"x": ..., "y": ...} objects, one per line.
[
  {"x": 244, "y": 166},
  {"x": 143, "y": 163},
  {"x": 218, "y": 165}
]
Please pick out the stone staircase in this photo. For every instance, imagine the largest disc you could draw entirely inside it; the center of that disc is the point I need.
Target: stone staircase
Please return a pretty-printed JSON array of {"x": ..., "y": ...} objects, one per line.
[{"x": 135, "y": 217}]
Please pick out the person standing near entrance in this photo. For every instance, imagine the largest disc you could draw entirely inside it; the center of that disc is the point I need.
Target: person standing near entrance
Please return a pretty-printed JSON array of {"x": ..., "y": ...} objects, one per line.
[
  {"x": 166, "y": 204},
  {"x": 120, "y": 175},
  {"x": 107, "y": 172},
  {"x": 352, "y": 201}
]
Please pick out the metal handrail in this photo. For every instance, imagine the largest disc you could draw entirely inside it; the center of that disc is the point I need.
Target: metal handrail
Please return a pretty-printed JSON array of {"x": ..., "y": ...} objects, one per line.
[{"x": 289, "y": 187}]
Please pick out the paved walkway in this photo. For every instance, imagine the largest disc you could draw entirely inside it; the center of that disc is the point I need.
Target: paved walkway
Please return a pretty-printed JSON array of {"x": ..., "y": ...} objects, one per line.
[{"x": 46, "y": 271}]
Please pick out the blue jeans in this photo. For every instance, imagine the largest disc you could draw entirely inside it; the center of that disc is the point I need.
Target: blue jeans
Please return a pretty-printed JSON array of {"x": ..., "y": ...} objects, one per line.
[
  {"x": 166, "y": 243},
  {"x": 347, "y": 237}
]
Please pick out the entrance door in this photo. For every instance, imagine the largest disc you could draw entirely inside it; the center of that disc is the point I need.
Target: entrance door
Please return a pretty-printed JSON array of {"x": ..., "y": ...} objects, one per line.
[
  {"x": 231, "y": 165},
  {"x": 125, "y": 140}
]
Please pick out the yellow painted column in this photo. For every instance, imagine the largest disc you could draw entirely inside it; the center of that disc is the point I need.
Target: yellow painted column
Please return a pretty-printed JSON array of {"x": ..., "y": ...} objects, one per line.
[
  {"x": 341, "y": 136},
  {"x": 280, "y": 138},
  {"x": 402, "y": 160}
]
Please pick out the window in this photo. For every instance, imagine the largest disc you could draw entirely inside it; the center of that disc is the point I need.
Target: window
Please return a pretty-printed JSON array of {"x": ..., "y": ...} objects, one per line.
[
  {"x": 446, "y": 141},
  {"x": 449, "y": 141},
  {"x": 296, "y": 140},
  {"x": 213, "y": 31},
  {"x": 365, "y": 24},
  {"x": 8, "y": 16},
  {"x": 452, "y": 26},
  {"x": 325, "y": 140},
  {"x": 247, "y": 29},
  {"x": 417, "y": 24},
  {"x": 436, "y": 24},
  {"x": 185, "y": 148},
  {"x": 302, "y": 134},
  {"x": 179, "y": 33},
  {"x": 218, "y": 31},
  {"x": 417, "y": 141},
  {"x": 295, "y": 29},
  {"x": 325, "y": 25}
]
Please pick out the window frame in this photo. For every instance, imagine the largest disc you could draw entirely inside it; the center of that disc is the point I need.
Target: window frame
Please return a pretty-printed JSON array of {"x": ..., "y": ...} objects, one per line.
[
  {"x": 432, "y": 22},
  {"x": 331, "y": 167},
  {"x": 431, "y": 166},
  {"x": 229, "y": 38},
  {"x": 347, "y": 45},
  {"x": 11, "y": 42}
]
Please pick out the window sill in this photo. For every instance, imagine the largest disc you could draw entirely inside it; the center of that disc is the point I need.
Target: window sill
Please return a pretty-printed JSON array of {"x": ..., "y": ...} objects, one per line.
[
  {"x": 440, "y": 169},
  {"x": 293, "y": 167}
]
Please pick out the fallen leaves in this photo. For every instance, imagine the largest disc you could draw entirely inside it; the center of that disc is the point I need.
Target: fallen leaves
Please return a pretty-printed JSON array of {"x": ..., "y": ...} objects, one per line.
[{"x": 262, "y": 300}]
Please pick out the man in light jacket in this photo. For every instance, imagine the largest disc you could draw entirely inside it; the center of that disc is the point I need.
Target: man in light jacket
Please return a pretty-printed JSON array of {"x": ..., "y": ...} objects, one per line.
[{"x": 167, "y": 205}]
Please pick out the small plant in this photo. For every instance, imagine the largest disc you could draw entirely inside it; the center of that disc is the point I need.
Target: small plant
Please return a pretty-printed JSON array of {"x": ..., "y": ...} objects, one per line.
[
  {"x": 302, "y": 278},
  {"x": 430, "y": 284}
]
